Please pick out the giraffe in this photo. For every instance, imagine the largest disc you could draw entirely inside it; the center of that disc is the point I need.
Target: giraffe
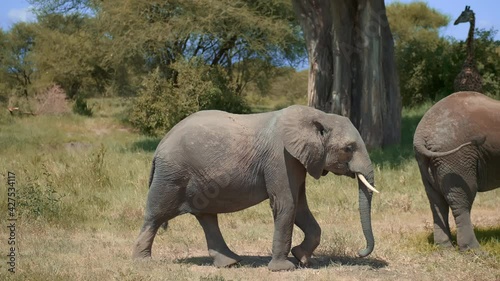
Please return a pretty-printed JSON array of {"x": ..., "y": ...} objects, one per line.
[{"x": 469, "y": 78}]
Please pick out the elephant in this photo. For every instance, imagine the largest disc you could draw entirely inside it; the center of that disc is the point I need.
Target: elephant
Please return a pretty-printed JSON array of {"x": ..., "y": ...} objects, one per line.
[
  {"x": 457, "y": 147},
  {"x": 216, "y": 162}
]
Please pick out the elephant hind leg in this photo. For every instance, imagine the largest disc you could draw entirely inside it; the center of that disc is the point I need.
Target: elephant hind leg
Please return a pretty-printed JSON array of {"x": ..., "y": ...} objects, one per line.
[
  {"x": 460, "y": 197},
  {"x": 217, "y": 247},
  {"x": 439, "y": 207},
  {"x": 162, "y": 205},
  {"x": 144, "y": 243},
  {"x": 440, "y": 211}
]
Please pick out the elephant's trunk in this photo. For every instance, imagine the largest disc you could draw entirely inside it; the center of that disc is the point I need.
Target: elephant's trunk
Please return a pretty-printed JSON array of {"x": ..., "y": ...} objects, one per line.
[{"x": 365, "y": 200}]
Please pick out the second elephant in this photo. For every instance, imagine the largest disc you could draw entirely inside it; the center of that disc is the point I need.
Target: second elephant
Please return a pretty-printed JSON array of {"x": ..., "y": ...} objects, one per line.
[{"x": 457, "y": 147}]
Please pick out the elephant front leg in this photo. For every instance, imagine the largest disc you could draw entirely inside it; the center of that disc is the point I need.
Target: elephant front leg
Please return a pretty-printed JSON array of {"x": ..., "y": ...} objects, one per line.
[
  {"x": 284, "y": 215},
  {"x": 217, "y": 247},
  {"x": 312, "y": 231}
]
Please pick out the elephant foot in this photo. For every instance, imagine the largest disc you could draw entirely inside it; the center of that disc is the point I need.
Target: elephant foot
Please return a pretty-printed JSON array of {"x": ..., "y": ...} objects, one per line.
[
  {"x": 141, "y": 255},
  {"x": 469, "y": 247},
  {"x": 225, "y": 259},
  {"x": 141, "y": 252},
  {"x": 302, "y": 256},
  {"x": 280, "y": 265},
  {"x": 445, "y": 244}
]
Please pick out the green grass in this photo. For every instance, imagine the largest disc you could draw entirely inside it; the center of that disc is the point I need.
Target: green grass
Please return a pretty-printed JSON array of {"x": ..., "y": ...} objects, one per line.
[{"x": 82, "y": 185}]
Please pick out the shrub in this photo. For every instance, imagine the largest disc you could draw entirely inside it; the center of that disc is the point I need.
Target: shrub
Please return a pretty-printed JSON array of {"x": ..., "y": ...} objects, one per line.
[
  {"x": 38, "y": 197},
  {"x": 52, "y": 101},
  {"x": 81, "y": 107},
  {"x": 162, "y": 102}
]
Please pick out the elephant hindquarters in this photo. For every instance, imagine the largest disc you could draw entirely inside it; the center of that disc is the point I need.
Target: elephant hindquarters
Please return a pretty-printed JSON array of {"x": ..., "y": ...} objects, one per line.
[{"x": 163, "y": 204}]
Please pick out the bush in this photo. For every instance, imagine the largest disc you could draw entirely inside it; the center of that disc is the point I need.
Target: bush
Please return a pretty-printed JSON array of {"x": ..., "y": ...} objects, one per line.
[
  {"x": 163, "y": 103},
  {"x": 427, "y": 69},
  {"x": 52, "y": 101},
  {"x": 38, "y": 197},
  {"x": 81, "y": 107}
]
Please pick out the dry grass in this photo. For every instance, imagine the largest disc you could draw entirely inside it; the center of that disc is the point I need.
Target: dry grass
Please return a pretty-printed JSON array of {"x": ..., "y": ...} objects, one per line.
[{"x": 85, "y": 229}]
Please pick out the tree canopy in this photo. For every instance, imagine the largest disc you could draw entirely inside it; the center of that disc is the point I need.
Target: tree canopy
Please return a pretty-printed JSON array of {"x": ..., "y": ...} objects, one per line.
[
  {"x": 428, "y": 62},
  {"x": 225, "y": 48}
]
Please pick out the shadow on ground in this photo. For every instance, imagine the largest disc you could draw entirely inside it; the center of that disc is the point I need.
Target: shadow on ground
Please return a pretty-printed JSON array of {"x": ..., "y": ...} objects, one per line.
[
  {"x": 318, "y": 261},
  {"x": 484, "y": 235}
]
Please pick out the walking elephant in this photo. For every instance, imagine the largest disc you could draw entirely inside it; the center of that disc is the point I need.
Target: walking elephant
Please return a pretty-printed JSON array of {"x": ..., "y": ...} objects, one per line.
[
  {"x": 457, "y": 147},
  {"x": 215, "y": 162}
]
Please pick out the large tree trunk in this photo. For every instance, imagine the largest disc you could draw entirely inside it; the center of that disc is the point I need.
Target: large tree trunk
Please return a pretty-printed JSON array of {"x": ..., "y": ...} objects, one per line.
[{"x": 352, "y": 70}]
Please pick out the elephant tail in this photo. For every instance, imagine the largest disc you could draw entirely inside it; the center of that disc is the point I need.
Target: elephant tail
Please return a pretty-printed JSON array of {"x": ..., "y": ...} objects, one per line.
[
  {"x": 152, "y": 173},
  {"x": 164, "y": 225},
  {"x": 420, "y": 147}
]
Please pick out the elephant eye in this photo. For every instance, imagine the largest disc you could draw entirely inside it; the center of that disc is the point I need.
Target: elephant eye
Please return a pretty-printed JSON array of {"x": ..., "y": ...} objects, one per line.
[
  {"x": 320, "y": 128},
  {"x": 349, "y": 148}
]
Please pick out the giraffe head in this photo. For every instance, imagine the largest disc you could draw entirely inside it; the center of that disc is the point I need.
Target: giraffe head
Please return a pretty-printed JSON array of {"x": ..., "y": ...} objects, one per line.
[{"x": 466, "y": 16}]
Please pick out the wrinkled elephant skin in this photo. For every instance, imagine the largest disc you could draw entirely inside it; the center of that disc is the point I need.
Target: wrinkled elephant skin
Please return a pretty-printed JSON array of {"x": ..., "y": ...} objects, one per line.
[
  {"x": 457, "y": 147},
  {"x": 216, "y": 162}
]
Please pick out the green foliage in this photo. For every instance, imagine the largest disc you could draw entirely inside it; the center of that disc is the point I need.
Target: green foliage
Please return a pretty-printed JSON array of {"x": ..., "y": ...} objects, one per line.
[
  {"x": 414, "y": 21},
  {"x": 427, "y": 63},
  {"x": 16, "y": 59},
  {"x": 97, "y": 167},
  {"x": 163, "y": 103},
  {"x": 111, "y": 48},
  {"x": 37, "y": 198},
  {"x": 286, "y": 88},
  {"x": 157, "y": 108},
  {"x": 419, "y": 50},
  {"x": 81, "y": 107},
  {"x": 72, "y": 54},
  {"x": 487, "y": 56}
]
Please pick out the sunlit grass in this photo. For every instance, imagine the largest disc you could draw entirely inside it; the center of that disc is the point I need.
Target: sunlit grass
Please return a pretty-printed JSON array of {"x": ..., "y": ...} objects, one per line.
[{"x": 82, "y": 186}]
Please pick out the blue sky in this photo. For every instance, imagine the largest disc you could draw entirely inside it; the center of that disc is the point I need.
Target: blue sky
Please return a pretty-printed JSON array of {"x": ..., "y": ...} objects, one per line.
[
  {"x": 487, "y": 14},
  {"x": 12, "y": 11}
]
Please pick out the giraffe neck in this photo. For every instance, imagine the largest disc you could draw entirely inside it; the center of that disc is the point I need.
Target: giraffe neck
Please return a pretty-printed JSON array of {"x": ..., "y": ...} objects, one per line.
[{"x": 470, "y": 43}]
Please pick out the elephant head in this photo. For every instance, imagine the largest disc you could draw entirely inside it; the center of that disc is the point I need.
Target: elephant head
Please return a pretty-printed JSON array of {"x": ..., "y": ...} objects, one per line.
[{"x": 330, "y": 143}]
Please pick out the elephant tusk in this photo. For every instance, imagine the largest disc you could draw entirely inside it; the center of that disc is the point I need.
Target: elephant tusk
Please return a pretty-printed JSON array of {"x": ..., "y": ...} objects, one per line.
[{"x": 367, "y": 184}]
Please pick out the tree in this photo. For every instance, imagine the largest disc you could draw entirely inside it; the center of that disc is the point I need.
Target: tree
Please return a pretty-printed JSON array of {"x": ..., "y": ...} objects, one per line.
[
  {"x": 428, "y": 63},
  {"x": 422, "y": 56},
  {"x": 71, "y": 53},
  {"x": 47, "y": 7},
  {"x": 16, "y": 63},
  {"x": 487, "y": 56},
  {"x": 244, "y": 37},
  {"x": 414, "y": 20},
  {"x": 247, "y": 38},
  {"x": 352, "y": 70}
]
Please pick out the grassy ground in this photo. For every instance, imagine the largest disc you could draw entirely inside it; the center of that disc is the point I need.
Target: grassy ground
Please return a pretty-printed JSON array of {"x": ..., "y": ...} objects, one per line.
[{"x": 81, "y": 189}]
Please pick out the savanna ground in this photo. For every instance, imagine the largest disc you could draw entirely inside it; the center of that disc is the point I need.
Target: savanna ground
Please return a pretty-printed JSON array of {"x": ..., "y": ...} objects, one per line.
[{"x": 81, "y": 189}]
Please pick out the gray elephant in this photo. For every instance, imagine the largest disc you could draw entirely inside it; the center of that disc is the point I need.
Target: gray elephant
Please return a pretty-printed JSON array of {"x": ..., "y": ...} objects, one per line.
[
  {"x": 216, "y": 162},
  {"x": 457, "y": 147}
]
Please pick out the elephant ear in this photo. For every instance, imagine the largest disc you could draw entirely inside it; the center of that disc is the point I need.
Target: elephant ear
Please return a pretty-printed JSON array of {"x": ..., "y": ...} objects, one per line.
[{"x": 301, "y": 132}]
